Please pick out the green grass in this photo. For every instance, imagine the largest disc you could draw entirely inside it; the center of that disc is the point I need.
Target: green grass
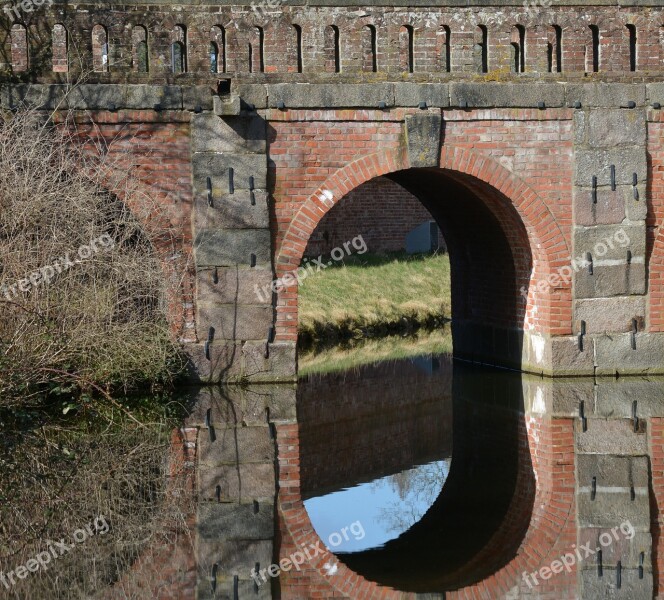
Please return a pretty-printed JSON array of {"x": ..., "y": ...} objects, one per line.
[
  {"x": 371, "y": 296},
  {"x": 341, "y": 358}
]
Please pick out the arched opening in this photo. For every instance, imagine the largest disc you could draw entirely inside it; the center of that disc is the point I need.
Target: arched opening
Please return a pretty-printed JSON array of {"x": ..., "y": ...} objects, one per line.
[
  {"x": 481, "y": 49},
  {"x": 444, "y": 48},
  {"x": 139, "y": 45},
  {"x": 60, "y": 50},
  {"x": 256, "y": 49},
  {"x": 179, "y": 49},
  {"x": 99, "y": 49},
  {"x": 593, "y": 50},
  {"x": 407, "y": 48},
  {"x": 297, "y": 30},
  {"x": 332, "y": 50},
  {"x": 20, "y": 53},
  {"x": 632, "y": 43},
  {"x": 518, "y": 49},
  {"x": 369, "y": 49},
  {"x": 555, "y": 49},
  {"x": 217, "y": 49}
]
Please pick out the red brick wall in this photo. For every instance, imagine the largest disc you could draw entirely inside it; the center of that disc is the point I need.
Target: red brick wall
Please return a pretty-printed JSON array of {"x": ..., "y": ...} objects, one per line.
[
  {"x": 654, "y": 221},
  {"x": 657, "y": 500},
  {"x": 430, "y": 27},
  {"x": 495, "y": 157},
  {"x": 380, "y": 210},
  {"x": 154, "y": 150}
]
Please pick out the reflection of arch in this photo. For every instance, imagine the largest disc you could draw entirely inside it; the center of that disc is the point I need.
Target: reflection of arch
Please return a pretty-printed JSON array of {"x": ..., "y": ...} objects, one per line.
[
  {"x": 60, "y": 49},
  {"x": 99, "y": 49},
  {"x": 19, "y": 43},
  {"x": 530, "y": 228}
]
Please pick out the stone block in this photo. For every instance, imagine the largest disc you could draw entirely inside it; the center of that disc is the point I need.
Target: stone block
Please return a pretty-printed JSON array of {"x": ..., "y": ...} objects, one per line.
[
  {"x": 567, "y": 395},
  {"x": 423, "y": 139},
  {"x": 609, "y": 128},
  {"x": 281, "y": 364},
  {"x": 615, "y": 280},
  {"x": 211, "y": 133},
  {"x": 605, "y": 587},
  {"x": 598, "y": 162},
  {"x": 610, "y": 242},
  {"x": 236, "y": 521},
  {"x": 234, "y": 285},
  {"x": 605, "y": 95},
  {"x": 236, "y": 557},
  {"x": 216, "y": 166},
  {"x": 230, "y": 247},
  {"x": 224, "y": 364},
  {"x": 507, "y": 95},
  {"x": 610, "y": 314},
  {"x": 612, "y": 508},
  {"x": 240, "y": 483},
  {"x": 232, "y": 211},
  {"x": 436, "y": 95},
  {"x": 194, "y": 96},
  {"x": 615, "y": 355},
  {"x": 224, "y": 404},
  {"x": 225, "y": 107},
  {"x": 147, "y": 96},
  {"x": 613, "y": 471},
  {"x": 568, "y": 359},
  {"x": 235, "y": 445},
  {"x": 616, "y": 546},
  {"x": 616, "y": 398},
  {"x": 225, "y": 589},
  {"x": 609, "y": 209},
  {"x": 252, "y": 94},
  {"x": 610, "y": 436},
  {"x": 330, "y": 95},
  {"x": 234, "y": 321}
]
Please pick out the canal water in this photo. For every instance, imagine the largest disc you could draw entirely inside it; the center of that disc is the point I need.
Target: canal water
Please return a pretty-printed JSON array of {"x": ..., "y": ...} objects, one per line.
[{"x": 420, "y": 476}]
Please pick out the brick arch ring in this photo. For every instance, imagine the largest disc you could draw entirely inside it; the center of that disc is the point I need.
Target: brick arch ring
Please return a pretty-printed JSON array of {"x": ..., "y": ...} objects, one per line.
[{"x": 549, "y": 252}]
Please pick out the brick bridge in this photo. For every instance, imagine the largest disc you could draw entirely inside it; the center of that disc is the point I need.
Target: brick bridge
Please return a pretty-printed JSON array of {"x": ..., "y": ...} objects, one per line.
[{"x": 533, "y": 136}]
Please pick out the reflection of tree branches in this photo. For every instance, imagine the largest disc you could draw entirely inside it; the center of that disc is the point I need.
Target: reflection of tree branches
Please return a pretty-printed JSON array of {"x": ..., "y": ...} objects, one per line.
[{"x": 417, "y": 488}]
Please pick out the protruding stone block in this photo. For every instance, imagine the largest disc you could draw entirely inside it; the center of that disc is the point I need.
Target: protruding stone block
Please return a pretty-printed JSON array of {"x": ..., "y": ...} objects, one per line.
[
  {"x": 230, "y": 247},
  {"x": 423, "y": 139}
]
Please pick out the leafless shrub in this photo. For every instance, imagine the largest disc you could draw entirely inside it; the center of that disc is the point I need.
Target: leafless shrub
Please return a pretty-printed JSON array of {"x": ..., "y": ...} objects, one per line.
[{"x": 100, "y": 321}]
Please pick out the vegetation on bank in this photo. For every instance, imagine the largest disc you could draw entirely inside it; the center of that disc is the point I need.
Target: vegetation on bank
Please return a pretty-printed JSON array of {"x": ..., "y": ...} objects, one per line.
[
  {"x": 374, "y": 296},
  {"x": 83, "y": 293},
  {"x": 373, "y": 308}
]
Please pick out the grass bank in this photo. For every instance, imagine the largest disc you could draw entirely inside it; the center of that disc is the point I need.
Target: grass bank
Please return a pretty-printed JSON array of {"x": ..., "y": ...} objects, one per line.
[
  {"x": 373, "y": 308},
  {"x": 374, "y": 296}
]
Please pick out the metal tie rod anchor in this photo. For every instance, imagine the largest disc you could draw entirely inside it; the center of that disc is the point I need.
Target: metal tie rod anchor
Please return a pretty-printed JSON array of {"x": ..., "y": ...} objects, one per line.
[
  {"x": 581, "y": 334},
  {"x": 251, "y": 191},
  {"x": 582, "y": 415},
  {"x": 613, "y": 178},
  {"x": 594, "y": 189},
  {"x": 635, "y": 418},
  {"x": 270, "y": 339},
  {"x": 635, "y": 327},
  {"x": 635, "y": 183},
  {"x": 209, "y": 191},
  {"x": 231, "y": 182}
]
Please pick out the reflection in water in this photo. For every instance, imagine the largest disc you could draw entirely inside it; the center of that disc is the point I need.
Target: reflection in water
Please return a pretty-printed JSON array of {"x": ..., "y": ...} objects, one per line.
[{"x": 386, "y": 507}]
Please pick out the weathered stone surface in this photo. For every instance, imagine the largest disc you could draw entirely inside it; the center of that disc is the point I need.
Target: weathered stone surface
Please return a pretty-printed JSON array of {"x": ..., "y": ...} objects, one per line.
[
  {"x": 227, "y": 106},
  {"x": 239, "y": 483},
  {"x": 211, "y": 133},
  {"x": 223, "y": 402},
  {"x": 617, "y": 280},
  {"x": 252, "y": 94},
  {"x": 610, "y": 242},
  {"x": 568, "y": 359},
  {"x": 224, "y": 364},
  {"x": 611, "y": 508},
  {"x": 598, "y": 162},
  {"x": 225, "y": 589},
  {"x": 423, "y": 139},
  {"x": 234, "y": 285},
  {"x": 605, "y": 95},
  {"x": 484, "y": 95},
  {"x": 197, "y": 96},
  {"x": 609, "y": 128},
  {"x": 610, "y": 314},
  {"x": 616, "y": 398},
  {"x": 610, "y": 436},
  {"x": 620, "y": 548},
  {"x": 304, "y": 95},
  {"x": 236, "y": 521},
  {"x": 609, "y": 209},
  {"x": 281, "y": 365},
  {"x": 232, "y": 211},
  {"x": 230, "y": 247},
  {"x": 237, "y": 557},
  {"x": 436, "y": 95},
  {"x": 605, "y": 587},
  {"x": 613, "y": 471},
  {"x": 236, "y": 445},
  {"x": 614, "y": 354},
  {"x": 216, "y": 166},
  {"x": 234, "y": 321}
]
